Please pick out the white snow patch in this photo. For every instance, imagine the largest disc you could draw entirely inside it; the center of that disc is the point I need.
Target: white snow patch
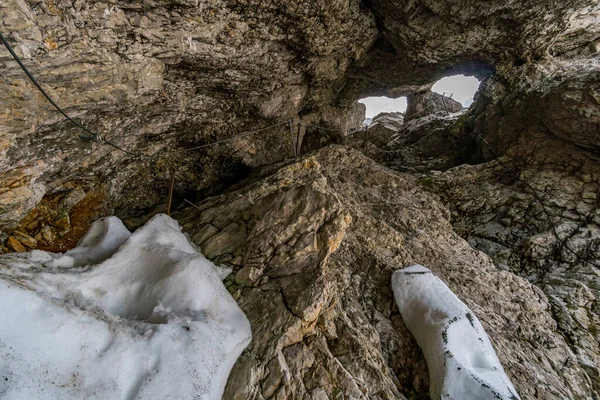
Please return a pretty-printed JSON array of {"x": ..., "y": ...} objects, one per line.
[
  {"x": 102, "y": 240},
  {"x": 461, "y": 360},
  {"x": 134, "y": 316}
]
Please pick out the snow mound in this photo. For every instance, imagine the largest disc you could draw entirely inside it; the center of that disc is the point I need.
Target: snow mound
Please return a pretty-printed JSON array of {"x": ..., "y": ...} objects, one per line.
[
  {"x": 461, "y": 360},
  {"x": 121, "y": 316}
]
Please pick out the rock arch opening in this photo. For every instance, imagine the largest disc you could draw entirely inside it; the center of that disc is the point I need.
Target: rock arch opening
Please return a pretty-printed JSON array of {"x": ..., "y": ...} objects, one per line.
[
  {"x": 382, "y": 104},
  {"x": 461, "y": 87}
]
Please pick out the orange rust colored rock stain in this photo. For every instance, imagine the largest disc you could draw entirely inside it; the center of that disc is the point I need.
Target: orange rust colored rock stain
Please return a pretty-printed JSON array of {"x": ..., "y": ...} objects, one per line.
[{"x": 90, "y": 208}]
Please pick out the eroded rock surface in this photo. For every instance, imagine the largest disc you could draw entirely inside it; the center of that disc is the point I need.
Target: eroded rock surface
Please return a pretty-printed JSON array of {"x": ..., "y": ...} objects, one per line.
[
  {"x": 536, "y": 212},
  {"x": 423, "y": 144},
  {"x": 382, "y": 128},
  {"x": 157, "y": 78},
  {"x": 525, "y": 184},
  {"x": 313, "y": 245}
]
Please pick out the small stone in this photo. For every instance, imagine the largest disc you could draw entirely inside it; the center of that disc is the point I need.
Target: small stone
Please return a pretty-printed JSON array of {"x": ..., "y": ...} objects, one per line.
[
  {"x": 73, "y": 198},
  {"x": 48, "y": 234},
  {"x": 63, "y": 223},
  {"x": 225, "y": 242},
  {"x": 587, "y": 178},
  {"x": 247, "y": 276},
  {"x": 15, "y": 245},
  {"x": 203, "y": 234},
  {"x": 50, "y": 44},
  {"x": 25, "y": 239},
  {"x": 589, "y": 195}
]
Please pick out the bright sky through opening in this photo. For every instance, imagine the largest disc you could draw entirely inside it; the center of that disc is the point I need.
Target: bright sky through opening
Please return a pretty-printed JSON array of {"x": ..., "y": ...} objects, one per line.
[
  {"x": 376, "y": 105},
  {"x": 462, "y": 87}
]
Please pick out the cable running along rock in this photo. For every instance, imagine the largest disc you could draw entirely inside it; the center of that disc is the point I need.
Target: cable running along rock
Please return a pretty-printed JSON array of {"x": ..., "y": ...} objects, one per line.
[
  {"x": 97, "y": 136},
  {"x": 242, "y": 134},
  {"x": 93, "y": 135}
]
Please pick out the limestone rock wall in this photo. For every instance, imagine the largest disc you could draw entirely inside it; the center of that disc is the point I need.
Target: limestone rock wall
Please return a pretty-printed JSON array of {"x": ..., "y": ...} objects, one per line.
[
  {"x": 519, "y": 173},
  {"x": 159, "y": 77},
  {"x": 423, "y": 40},
  {"x": 313, "y": 245},
  {"x": 313, "y": 242},
  {"x": 536, "y": 212}
]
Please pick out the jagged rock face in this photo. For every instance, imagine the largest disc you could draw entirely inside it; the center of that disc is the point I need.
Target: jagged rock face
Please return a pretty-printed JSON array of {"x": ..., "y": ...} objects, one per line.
[
  {"x": 531, "y": 202},
  {"x": 383, "y": 127},
  {"x": 423, "y": 144},
  {"x": 439, "y": 31},
  {"x": 424, "y": 39},
  {"x": 391, "y": 120},
  {"x": 536, "y": 212},
  {"x": 561, "y": 97},
  {"x": 162, "y": 76},
  {"x": 536, "y": 209},
  {"x": 313, "y": 245},
  {"x": 159, "y": 77}
]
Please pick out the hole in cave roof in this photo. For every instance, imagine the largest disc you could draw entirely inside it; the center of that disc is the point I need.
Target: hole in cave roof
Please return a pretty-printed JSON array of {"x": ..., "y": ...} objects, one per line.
[
  {"x": 462, "y": 87},
  {"x": 376, "y": 105}
]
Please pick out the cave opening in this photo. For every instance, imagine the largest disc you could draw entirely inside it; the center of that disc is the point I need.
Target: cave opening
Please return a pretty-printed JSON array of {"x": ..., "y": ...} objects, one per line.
[
  {"x": 461, "y": 87},
  {"x": 381, "y": 104}
]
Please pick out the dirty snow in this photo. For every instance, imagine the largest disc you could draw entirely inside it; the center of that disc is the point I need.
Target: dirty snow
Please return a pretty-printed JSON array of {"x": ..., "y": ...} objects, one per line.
[
  {"x": 121, "y": 316},
  {"x": 461, "y": 360}
]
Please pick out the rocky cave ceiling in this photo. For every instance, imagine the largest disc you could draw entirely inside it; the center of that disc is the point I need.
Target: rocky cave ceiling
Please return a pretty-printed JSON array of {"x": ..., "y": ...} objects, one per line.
[{"x": 157, "y": 77}]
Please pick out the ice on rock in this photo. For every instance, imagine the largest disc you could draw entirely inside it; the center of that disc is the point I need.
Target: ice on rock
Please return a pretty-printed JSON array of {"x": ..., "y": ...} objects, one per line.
[
  {"x": 137, "y": 316},
  {"x": 102, "y": 240},
  {"x": 461, "y": 360}
]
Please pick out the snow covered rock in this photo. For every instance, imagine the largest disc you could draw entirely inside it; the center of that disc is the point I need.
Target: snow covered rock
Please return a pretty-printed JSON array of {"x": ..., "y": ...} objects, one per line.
[
  {"x": 461, "y": 360},
  {"x": 121, "y": 316}
]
